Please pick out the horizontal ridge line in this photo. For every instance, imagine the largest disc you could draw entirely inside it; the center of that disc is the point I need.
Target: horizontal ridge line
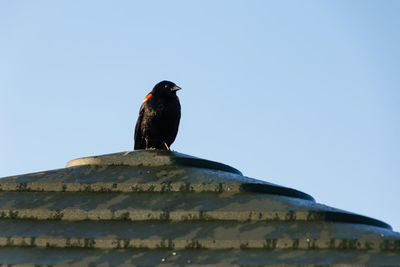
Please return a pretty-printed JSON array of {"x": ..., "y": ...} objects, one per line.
[
  {"x": 120, "y": 187},
  {"x": 146, "y": 215},
  {"x": 277, "y": 243}
]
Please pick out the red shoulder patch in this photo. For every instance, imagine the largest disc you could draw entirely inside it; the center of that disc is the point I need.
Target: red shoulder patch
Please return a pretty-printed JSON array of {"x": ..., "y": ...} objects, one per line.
[
  {"x": 178, "y": 98},
  {"x": 147, "y": 97}
]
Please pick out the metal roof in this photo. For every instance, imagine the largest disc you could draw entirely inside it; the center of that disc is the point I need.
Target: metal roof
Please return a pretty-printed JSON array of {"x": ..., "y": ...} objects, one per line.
[{"x": 151, "y": 208}]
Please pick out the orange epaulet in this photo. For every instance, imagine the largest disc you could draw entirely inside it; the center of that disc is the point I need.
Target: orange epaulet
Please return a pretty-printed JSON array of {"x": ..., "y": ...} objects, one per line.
[{"x": 147, "y": 97}]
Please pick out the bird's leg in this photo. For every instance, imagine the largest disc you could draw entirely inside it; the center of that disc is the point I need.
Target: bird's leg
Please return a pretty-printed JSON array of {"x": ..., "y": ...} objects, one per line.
[{"x": 166, "y": 146}]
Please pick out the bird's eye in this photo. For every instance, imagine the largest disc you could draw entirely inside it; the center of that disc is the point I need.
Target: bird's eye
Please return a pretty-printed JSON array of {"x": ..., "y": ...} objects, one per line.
[{"x": 166, "y": 86}]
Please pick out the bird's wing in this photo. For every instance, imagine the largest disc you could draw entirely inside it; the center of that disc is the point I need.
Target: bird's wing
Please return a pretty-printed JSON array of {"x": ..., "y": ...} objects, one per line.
[{"x": 140, "y": 143}]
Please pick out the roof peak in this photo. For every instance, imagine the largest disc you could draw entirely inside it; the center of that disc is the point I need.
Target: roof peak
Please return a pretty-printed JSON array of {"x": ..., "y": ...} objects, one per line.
[
  {"x": 207, "y": 181},
  {"x": 151, "y": 158}
]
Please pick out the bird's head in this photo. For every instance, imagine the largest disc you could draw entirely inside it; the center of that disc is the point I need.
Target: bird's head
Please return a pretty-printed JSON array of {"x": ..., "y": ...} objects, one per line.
[{"x": 165, "y": 88}]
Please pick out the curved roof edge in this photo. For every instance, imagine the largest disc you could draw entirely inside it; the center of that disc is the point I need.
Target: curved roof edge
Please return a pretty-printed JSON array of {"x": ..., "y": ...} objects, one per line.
[{"x": 152, "y": 158}]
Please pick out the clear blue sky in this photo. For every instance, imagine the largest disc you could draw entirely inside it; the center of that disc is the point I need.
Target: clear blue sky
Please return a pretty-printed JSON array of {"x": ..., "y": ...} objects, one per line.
[{"x": 304, "y": 94}]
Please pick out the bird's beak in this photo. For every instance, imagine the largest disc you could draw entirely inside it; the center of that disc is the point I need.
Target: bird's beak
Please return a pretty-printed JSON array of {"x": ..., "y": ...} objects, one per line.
[{"x": 175, "y": 88}]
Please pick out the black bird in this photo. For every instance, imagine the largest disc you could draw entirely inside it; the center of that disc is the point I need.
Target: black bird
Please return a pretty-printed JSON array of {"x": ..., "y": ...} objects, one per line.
[{"x": 159, "y": 117}]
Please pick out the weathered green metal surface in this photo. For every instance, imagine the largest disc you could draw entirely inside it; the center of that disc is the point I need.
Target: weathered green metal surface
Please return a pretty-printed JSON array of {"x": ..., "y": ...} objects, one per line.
[
  {"x": 197, "y": 257},
  {"x": 156, "y": 158},
  {"x": 150, "y": 208}
]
